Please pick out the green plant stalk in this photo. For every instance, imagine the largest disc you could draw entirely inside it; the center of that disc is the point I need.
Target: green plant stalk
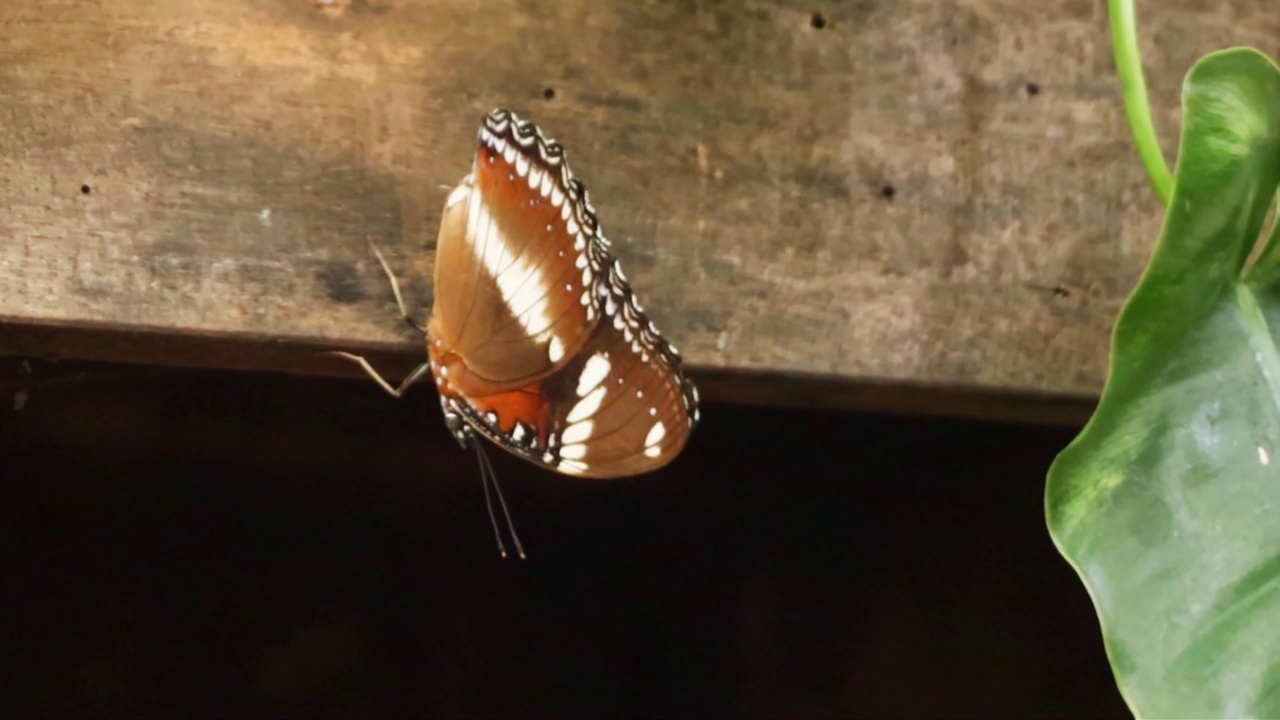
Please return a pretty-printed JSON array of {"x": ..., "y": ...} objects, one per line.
[{"x": 1124, "y": 42}]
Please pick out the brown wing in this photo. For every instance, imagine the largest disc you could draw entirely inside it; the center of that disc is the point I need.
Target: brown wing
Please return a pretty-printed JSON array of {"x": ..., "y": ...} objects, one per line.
[
  {"x": 537, "y": 341},
  {"x": 513, "y": 276},
  {"x": 623, "y": 407},
  {"x": 619, "y": 407}
]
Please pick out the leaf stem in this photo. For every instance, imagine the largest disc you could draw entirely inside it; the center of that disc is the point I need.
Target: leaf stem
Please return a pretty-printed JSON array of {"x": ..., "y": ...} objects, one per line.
[{"x": 1124, "y": 42}]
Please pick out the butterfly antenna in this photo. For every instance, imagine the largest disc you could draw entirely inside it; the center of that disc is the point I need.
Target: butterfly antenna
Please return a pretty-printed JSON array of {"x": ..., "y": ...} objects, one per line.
[
  {"x": 488, "y": 500},
  {"x": 511, "y": 526},
  {"x": 395, "y": 286}
]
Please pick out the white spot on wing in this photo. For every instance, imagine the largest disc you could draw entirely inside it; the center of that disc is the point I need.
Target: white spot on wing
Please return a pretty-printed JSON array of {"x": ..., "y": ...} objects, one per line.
[
  {"x": 572, "y": 467},
  {"x": 594, "y": 372},
  {"x": 652, "y": 441},
  {"x": 520, "y": 282},
  {"x": 587, "y": 406},
  {"x": 577, "y": 432},
  {"x": 576, "y": 451},
  {"x": 656, "y": 433}
]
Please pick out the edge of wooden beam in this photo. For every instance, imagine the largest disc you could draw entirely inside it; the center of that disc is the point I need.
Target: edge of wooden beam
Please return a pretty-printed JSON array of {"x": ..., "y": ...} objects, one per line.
[{"x": 304, "y": 356}]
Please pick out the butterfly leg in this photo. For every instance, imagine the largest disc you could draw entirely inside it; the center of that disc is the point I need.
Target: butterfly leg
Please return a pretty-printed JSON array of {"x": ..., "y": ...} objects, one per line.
[
  {"x": 395, "y": 287},
  {"x": 396, "y": 392}
]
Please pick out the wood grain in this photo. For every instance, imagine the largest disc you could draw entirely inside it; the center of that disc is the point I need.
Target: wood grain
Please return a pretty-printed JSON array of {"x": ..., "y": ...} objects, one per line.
[{"x": 814, "y": 200}]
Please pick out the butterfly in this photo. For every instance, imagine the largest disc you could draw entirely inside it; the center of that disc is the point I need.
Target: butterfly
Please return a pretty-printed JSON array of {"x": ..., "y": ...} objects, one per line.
[{"x": 536, "y": 340}]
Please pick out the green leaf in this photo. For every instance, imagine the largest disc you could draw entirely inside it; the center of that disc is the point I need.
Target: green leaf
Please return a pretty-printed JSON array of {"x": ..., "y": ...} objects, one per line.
[{"x": 1168, "y": 502}]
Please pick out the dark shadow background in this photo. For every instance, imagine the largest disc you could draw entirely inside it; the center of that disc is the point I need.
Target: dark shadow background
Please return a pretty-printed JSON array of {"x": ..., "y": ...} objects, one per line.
[{"x": 201, "y": 544}]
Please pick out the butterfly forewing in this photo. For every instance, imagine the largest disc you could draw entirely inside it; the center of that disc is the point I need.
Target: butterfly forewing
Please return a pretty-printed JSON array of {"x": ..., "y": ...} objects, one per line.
[{"x": 513, "y": 281}]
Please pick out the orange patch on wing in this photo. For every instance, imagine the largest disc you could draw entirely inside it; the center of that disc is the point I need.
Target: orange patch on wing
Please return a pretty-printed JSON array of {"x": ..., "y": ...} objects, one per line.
[{"x": 525, "y": 404}]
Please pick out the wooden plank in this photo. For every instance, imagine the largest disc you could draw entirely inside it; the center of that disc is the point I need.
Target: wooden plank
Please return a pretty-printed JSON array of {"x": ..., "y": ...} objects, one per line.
[{"x": 191, "y": 183}]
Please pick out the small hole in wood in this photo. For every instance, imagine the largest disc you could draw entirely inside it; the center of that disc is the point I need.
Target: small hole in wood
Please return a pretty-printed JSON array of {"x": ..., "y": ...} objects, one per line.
[
  {"x": 549, "y": 93},
  {"x": 1032, "y": 89},
  {"x": 888, "y": 191},
  {"x": 817, "y": 21},
  {"x": 85, "y": 189}
]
